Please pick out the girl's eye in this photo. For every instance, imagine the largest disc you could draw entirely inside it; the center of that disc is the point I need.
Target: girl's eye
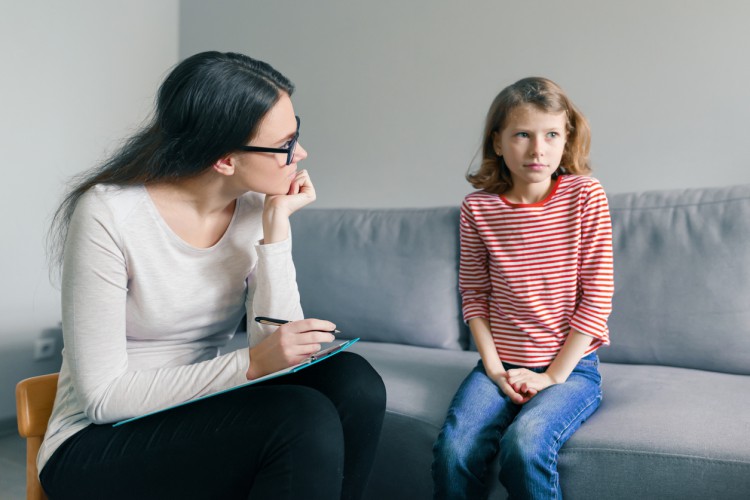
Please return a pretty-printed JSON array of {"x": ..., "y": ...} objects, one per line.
[
  {"x": 553, "y": 134},
  {"x": 522, "y": 134}
]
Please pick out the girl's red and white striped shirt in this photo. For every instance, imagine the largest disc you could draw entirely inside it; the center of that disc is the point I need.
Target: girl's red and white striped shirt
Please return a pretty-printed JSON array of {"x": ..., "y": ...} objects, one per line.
[{"x": 538, "y": 270}]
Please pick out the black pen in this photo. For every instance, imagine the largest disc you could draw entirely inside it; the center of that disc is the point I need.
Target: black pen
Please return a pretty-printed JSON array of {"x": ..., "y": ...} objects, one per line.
[{"x": 263, "y": 320}]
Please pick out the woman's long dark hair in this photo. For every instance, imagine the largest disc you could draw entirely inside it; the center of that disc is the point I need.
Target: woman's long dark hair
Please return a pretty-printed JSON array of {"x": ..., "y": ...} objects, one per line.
[{"x": 208, "y": 105}]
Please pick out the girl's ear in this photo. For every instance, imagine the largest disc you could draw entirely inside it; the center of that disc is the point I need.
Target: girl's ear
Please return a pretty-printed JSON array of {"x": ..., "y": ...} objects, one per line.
[
  {"x": 496, "y": 144},
  {"x": 225, "y": 165}
]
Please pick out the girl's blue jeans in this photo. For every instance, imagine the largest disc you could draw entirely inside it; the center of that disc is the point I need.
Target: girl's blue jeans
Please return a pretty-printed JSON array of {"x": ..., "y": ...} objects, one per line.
[{"x": 482, "y": 421}]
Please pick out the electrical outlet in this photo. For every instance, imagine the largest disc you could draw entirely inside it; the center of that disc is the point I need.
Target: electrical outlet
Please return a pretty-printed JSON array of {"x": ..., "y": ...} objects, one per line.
[{"x": 44, "y": 348}]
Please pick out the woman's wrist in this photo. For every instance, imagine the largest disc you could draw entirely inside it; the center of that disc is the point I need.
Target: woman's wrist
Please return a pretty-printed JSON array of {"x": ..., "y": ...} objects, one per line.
[
  {"x": 250, "y": 374},
  {"x": 275, "y": 225}
]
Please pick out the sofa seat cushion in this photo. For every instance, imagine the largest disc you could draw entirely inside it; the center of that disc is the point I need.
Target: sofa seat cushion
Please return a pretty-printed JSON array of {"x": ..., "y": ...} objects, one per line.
[
  {"x": 656, "y": 428},
  {"x": 663, "y": 432}
]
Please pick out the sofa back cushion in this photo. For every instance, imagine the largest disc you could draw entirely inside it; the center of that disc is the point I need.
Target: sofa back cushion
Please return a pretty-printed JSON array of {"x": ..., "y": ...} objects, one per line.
[
  {"x": 385, "y": 275},
  {"x": 682, "y": 279}
]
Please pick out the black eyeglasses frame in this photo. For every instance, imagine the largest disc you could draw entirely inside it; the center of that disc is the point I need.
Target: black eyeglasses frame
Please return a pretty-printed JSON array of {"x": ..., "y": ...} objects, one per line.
[{"x": 289, "y": 150}]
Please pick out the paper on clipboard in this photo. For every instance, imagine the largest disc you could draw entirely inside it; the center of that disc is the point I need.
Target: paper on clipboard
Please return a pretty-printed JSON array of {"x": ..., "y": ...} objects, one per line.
[{"x": 319, "y": 356}]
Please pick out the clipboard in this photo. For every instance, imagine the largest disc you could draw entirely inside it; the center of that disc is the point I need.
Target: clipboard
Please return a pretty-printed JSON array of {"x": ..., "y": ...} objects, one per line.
[{"x": 319, "y": 356}]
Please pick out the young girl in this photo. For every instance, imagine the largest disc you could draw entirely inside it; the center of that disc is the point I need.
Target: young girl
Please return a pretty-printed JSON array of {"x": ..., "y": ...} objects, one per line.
[
  {"x": 536, "y": 282},
  {"x": 165, "y": 248}
]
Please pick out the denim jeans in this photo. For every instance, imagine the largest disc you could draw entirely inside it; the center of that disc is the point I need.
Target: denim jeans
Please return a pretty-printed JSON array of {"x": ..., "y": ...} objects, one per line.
[{"x": 482, "y": 421}]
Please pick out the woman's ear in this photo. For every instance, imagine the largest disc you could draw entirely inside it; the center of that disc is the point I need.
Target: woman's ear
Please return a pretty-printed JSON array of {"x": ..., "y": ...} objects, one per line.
[{"x": 225, "y": 165}]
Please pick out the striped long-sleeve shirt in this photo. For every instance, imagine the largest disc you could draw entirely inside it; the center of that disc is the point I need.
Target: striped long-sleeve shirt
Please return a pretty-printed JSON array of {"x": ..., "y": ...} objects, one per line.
[{"x": 538, "y": 270}]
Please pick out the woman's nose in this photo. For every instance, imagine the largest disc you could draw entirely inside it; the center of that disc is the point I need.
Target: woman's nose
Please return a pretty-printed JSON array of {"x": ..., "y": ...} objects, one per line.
[{"x": 300, "y": 153}]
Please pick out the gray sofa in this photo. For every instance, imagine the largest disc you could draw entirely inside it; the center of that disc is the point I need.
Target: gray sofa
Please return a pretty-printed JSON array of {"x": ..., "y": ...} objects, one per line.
[{"x": 675, "y": 419}]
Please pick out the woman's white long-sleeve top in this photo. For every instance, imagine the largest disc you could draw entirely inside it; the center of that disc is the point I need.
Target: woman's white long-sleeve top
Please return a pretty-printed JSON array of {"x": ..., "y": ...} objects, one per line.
[{"x": 145, "y": 314}]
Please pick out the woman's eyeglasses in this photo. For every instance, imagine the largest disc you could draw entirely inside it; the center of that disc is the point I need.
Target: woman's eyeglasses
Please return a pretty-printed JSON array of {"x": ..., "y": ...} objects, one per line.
[{"x": 289, "y": 150}]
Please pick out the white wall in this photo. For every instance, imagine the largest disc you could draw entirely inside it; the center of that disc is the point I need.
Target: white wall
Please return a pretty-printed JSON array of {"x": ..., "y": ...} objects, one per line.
[
  {"x": 392, "y": 93},
  {"x": 76, "y": 76}
]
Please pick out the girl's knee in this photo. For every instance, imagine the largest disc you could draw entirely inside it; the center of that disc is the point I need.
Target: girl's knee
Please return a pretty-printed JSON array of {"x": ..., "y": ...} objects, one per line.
[
  {"x": 446, "y": 447},
  {"x": 448, "y": 455},
  {"x": 525, "y": 445},
  {"x": 454, "y": 449},
  {"x": 525, "y": 441}
]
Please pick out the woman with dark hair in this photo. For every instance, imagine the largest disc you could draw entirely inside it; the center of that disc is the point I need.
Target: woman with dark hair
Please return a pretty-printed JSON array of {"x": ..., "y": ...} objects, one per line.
[{"x": 164, "y": 248}]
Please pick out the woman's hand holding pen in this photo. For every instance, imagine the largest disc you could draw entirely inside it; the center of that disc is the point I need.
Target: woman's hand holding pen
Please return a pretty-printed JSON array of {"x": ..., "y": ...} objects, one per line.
[
  {"x": 278, "y": 208},
  {"x": 289, "y": 345}
]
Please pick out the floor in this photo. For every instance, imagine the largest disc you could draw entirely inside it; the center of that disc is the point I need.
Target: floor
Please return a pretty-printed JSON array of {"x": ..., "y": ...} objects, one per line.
[{"x": 12, "y": 467}]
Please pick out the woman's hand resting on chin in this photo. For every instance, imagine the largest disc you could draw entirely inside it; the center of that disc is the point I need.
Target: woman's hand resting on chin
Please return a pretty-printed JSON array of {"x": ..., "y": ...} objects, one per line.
[{"x": 279, "y": 207}]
